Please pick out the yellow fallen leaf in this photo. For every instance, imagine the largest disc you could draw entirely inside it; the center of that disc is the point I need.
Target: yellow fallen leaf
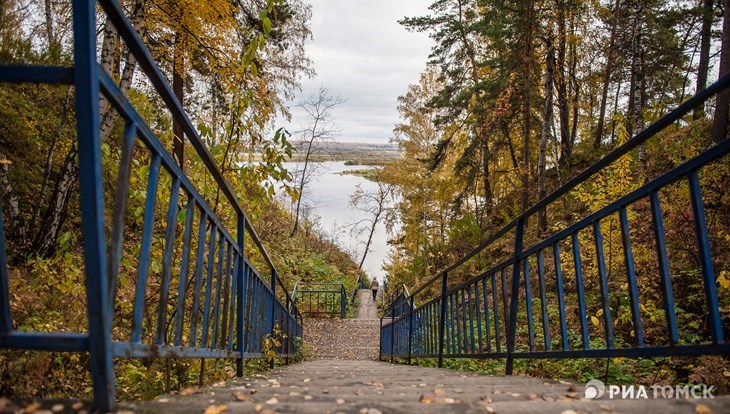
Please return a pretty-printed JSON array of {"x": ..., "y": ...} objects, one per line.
[
  {"x": 188, "y": 391},
  {"x": 702, "y": 409},
  {"x": 215, "y": 409}
]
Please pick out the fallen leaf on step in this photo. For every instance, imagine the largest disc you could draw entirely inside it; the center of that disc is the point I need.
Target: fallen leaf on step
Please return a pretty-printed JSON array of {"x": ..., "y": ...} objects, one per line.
[
  {"x": 188, "y": 391},
  {"x": 244, "y": 396},
  {"x": 571, "y": 388},
  {"x": 702, "y": 409},
  {"x": 272, "y": 401},
  {"x": 215, "y": 409},
  {"x": 485, "y": 399}
]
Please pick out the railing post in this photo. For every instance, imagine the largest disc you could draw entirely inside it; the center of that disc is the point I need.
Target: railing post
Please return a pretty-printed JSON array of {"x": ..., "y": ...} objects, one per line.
[
  {"x": 512, "y": 331},
  {"x": 392, "y": 334},
  {"x": 342, "y": 301},
  {"x": 380, "y": 335},
  {"x": 240, "y": 294},
  {"x": 287, "y": 333},
  {"x": 442, "y": 318},
  {"x": 86, "y": 81},
  {"x": 273, "y": 309},
  {"x": 410, "y": 330}
]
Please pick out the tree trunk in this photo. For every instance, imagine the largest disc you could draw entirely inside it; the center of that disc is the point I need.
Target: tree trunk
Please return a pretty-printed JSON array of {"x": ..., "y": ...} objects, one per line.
[
  {"x": 50, "y": 229},
  {"x": 14, "y": 219},
  {"x": 527, "y": 84},
  {"x": 108, "y": 117},
  {"x": 44, "y": 242},
  {"x": 722, "y": 100},
  {"x": 636, "y": 100},
  {"x": 563, "y": 110},
  {"x": 370, "y": 236},
  {"x": 704, "y": 64},
  {"x": 547, "y": 121},
  {"x": 178, "y": 142},
  {"x": 49, "y": 25},
  {"x": 304, "y": 175},
  {"x": 607, "y": 77}
]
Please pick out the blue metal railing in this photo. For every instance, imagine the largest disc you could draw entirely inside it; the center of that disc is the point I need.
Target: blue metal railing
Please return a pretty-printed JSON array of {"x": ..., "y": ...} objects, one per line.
[
  {"x": 230, "y": 297},
  {"x": 320, "y": 298},
  {"x": 479, "y": 318}
]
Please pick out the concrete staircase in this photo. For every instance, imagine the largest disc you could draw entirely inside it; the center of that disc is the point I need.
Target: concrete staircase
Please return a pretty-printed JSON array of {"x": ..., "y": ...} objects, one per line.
[
  {"x": 339, "y": 339},
  {"x": 372, "y": 387},
  {"x": 346, "y": 339},
  {"x": 342, "y": 376}
]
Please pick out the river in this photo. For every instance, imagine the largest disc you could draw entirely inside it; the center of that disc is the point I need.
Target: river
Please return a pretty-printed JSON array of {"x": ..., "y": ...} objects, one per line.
[{"x": 327, "y": 196}]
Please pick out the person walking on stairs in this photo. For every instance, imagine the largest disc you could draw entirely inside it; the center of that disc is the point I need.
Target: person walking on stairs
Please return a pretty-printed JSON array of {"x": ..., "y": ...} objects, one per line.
[{"x": 374, "y": 287}]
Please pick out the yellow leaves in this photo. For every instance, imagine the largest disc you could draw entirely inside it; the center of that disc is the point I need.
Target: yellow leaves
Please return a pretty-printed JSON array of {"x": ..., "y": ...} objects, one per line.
[
  {"x": 595, "y": 321},
  {"x": 215, "y": 409},
  {"x": 724, "y": 279}
]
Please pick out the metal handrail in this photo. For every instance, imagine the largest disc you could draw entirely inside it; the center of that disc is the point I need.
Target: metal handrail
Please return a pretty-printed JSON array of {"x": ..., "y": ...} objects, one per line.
[
  {"x": 465, "y": 303},
  {"x": 315, "y": 307},
  {"x": 244, "y": 307}
]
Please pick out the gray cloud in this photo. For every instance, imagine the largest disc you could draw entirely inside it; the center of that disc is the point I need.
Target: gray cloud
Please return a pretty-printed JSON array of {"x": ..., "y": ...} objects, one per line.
[{"x": 363, "y": 55}]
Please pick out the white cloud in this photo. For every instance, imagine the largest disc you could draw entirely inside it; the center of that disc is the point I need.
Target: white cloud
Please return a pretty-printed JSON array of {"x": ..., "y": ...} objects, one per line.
[{"x": 361, "y": 53}]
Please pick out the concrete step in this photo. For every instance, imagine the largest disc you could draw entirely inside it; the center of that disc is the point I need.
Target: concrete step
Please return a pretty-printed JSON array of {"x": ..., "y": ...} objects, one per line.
[{"x": 330, "y": 386}]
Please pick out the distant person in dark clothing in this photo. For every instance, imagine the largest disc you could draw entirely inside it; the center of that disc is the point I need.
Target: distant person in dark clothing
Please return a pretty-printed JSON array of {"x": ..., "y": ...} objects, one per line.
[{"x": 374, "y": 287}]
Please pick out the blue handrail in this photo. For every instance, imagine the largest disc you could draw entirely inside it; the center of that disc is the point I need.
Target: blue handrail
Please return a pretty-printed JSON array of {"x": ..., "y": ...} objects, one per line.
[
  {"x": 444, "y": 326},
  {"x": 226, "y": 321}
]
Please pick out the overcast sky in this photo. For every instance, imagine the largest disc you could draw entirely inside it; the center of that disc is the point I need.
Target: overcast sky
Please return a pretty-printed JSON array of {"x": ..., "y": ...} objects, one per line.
[{"x": 362, "y": 54}]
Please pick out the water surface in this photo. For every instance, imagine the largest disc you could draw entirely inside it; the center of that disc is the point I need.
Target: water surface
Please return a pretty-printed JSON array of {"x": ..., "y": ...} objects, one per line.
[{"x": 327, "y": 200}]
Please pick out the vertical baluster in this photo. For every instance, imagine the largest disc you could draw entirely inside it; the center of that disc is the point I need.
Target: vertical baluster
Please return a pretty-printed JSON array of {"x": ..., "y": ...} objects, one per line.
[
  {"x": 561, "y": 297},
  {"x": 708, "y": 270},
  {"x": 121, "y": 196},
  {"x": 392, "y": 334},
  {"x": 454, "y": 324},
  {"x": 487, "y": 328},
  {"x": 199, "y": 258},
  {"x": 495, "y": 311},
  {"x": 580, "y": 290},
  {"x": 442, "y": 318},
  {"x": 430, "y": 328},
  {"x": 147, "y": 230},
  {"x": 234, "y": 298},
  {"x": 6, "y": 319},
  {"x": 631, "y": 278},
  {"x": 664, "y": 274},
  {"x": 600, "y": 258},
  {"x": 182, "y": 287},
  {"x": 209, "y": 284},
  {"x": 512, "y": 329},
  {"x": 240, "y": 293},
  {"x": 528, "y": 303},
  {"x": 252, "y": 319},
  {"x": 505, "y": 299},
  {"x": 464, "y": 339},
  {"x": 471, "y": 317},
  {"x": 479, "y": 316},
  {"x": 543, "y": 300},
  {"x": 160, "y": 336},
  {"x": 218, "y": 291},
  {"x": 226, "y": 295}
]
